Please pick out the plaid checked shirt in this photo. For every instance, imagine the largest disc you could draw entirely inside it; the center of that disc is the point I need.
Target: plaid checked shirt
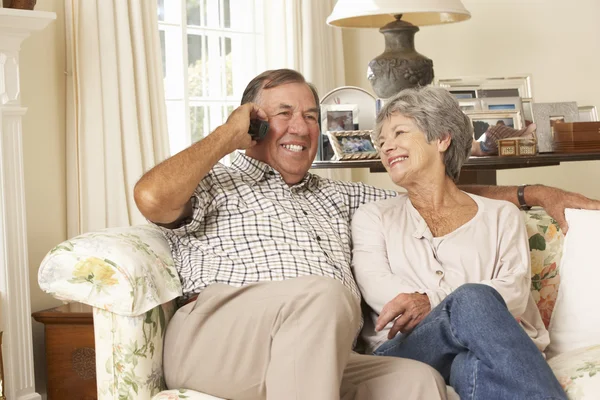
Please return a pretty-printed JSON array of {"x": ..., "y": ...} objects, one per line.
[{"x": 249, "y": 226}]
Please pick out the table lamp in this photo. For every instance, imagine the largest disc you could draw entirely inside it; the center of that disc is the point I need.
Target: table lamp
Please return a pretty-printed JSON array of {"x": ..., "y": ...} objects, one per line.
[{"x": 399, "y": 66}]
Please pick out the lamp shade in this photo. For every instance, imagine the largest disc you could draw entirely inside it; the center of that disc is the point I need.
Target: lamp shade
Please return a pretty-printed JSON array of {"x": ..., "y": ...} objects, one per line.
[{"x": 377, "y": 13}]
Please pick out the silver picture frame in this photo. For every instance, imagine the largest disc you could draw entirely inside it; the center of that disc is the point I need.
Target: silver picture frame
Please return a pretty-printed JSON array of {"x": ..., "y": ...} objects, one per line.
[
  {"x": 491, "y": 86},
  {"x": 588, "y": 114},
  {"x": 545, "y": 114}
]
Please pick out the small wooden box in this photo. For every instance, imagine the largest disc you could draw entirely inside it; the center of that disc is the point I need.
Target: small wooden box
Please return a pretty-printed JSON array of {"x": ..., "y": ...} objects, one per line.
[
  {"x": 70, "y": 352},
  {"x": 517, "y": 146}
]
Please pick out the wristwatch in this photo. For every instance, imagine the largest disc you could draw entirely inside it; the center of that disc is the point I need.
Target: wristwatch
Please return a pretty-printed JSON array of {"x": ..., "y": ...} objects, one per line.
[{"x": 521, "y": 197}]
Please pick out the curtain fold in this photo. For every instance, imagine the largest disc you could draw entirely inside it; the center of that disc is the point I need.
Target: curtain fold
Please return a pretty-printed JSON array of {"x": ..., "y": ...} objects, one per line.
[
  {"x": 116, "y": 114},
  {"x": 297, "y": 37}
]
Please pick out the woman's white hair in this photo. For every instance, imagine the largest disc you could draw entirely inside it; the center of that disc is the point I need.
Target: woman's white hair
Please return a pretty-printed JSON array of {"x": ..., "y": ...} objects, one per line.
[{"x": 437, "y": 114}]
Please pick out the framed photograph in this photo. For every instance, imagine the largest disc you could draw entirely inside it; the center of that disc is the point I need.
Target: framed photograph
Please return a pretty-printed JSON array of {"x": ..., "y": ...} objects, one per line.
[
  {"x": 353, "y": 145},
  {"x": 484, "y": 119},
  {"x": 588, "y": 114},
  {"x": 339, "y": 117},
  {"x": 548, "y": 114},
  {"x": 502, "y": 104},
  {"x": 490, "y": 86},
  {"x": 335, "y": 117}
]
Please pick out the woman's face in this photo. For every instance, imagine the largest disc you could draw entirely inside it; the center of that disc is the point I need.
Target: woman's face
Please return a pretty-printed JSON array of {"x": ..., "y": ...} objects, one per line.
[{"x": 405, "y": 153}]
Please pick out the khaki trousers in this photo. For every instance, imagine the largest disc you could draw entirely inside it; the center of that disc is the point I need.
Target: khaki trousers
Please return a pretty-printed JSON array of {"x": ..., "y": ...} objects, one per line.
[{"x": 284, "y": 340}]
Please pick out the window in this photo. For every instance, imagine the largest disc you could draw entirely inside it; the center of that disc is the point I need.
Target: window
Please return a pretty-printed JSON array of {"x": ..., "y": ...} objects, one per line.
[{"x": 210, "y": 51}]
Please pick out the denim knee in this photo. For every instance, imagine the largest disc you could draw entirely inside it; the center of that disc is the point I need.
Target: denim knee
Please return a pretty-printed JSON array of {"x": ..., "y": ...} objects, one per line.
[{"x": 477, "y": 293}]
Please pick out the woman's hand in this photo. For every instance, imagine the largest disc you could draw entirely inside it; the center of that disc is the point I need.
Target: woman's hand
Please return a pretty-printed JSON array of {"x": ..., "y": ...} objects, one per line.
[{"x": 408, "y": 308}]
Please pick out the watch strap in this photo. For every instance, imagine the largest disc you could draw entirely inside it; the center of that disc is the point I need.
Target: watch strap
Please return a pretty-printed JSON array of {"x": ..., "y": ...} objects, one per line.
[{"x": 521, "y": 197}]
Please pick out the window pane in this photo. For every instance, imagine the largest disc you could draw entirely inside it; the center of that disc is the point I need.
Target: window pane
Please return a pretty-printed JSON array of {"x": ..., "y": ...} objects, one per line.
[
  {"x": 226, "y": 14},
  {"x": 161, "y": 10},
  {"x": 173, "y": 62},
  {"x": 197, "y": 77},
  {"x": 198, "y": 123},
  {"x": 193, "y": 12},
  {"x": 228, "y": 71}
]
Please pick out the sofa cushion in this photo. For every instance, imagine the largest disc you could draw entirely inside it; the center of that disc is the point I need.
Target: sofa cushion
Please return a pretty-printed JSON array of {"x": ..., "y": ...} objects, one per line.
[
  {"x": 576, "y": 322},
  {"x": 183, "y": 394},
  {"x": 578, "y": 372},
  {"x": 546, "y": 245},
  {"x": 127, "y": 271}
]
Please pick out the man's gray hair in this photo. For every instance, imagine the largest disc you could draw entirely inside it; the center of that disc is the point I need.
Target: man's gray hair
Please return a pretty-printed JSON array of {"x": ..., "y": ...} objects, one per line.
[{"x": 437, "y": 114}]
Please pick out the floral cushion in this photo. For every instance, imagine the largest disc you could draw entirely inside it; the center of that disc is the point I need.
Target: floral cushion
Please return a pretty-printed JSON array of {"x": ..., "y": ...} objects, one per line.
[
  {"x": 578, "y": 372},
  {"x": 127, "y": 271},
  {"x": 546, "y": 244}
]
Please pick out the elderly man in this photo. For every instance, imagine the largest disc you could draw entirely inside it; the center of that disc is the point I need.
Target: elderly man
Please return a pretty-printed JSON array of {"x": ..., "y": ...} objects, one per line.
[{"x": 263, "y": 252}]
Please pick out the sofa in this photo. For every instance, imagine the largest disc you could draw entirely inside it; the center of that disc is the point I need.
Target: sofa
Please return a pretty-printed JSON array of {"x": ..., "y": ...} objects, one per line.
[{"x": 127, "y": 275}]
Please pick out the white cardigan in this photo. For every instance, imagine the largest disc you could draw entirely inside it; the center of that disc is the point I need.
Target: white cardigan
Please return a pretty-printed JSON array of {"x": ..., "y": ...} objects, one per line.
[{"x": 394, "y": 252}]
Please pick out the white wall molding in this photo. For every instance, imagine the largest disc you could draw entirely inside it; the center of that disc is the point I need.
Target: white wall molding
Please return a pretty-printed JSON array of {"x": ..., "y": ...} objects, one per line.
[{"x": 15, "y": 302}]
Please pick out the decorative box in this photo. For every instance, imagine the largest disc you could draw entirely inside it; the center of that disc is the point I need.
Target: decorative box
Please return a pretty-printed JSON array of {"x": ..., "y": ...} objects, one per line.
[{"x": 517, "y": 146}]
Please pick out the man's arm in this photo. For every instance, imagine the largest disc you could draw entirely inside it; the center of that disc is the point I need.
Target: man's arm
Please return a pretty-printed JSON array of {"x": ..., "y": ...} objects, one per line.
[
  {"x": 163, "y": 193},
  {"x": 553, "y": 200}
]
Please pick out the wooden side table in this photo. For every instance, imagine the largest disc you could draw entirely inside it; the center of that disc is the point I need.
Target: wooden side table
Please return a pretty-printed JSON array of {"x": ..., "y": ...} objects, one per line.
[{"x": 70, "y": 353}]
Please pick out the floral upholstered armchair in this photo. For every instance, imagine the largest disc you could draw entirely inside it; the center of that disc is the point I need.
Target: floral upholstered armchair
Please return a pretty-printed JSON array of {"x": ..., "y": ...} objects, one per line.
[{"x": 127, "y": 275}]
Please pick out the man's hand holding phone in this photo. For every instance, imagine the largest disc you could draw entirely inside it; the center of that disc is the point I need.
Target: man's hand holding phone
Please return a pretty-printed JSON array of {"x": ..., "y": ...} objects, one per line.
[{"x": 241, "y": 121}]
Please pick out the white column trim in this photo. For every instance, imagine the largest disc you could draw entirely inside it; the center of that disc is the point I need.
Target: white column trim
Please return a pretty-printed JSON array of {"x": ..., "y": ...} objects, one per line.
[{"x": 15, "y": 300}]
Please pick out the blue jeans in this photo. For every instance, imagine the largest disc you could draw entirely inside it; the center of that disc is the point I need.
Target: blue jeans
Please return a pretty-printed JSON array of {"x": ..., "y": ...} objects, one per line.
[{"x": 479, "y": 348}]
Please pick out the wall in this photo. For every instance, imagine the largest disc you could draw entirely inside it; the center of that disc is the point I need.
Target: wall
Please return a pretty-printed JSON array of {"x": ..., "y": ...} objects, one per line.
[
  {"x": 555, "y": 41},
  {"x": 42, "y": 61}
]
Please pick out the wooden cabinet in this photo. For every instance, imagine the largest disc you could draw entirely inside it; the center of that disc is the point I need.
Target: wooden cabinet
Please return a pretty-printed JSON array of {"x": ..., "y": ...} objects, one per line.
[{"x": 70, "y": 354}]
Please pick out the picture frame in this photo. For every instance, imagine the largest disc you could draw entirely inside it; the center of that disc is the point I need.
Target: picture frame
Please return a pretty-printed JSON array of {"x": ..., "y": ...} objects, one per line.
[
  {"x": 546, "y": 114},
  {"x": 526, "y": 104},
  {"x": 326, "y": 151},
  {"x": 482, "y": 120},
  {"x": 353, "y": 145},
  {"x": 467, "y": 105},
  {"x": 502, "y": 104},
  {"x": 488, "y": 86},
  {"x": 588, "y": 114},
  {"x": 339, "y": 117}
]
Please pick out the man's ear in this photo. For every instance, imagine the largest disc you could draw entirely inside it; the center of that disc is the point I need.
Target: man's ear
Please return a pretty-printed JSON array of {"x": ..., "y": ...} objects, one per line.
[{"x": 444, "y": 143}]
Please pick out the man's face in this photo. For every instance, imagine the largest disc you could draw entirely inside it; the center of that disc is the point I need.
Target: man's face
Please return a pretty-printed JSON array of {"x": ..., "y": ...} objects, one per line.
[{"x": 291, "y": 143}]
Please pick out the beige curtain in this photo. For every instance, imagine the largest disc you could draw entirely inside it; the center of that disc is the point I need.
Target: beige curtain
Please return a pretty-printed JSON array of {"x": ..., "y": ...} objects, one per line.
[
  {"x": 116, "y": 119},
  {"x": 297, "y": 37}
]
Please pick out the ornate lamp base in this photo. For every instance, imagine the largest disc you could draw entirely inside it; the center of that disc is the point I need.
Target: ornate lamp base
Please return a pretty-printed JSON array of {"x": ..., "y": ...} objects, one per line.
[{"x": 399, "y": 66}]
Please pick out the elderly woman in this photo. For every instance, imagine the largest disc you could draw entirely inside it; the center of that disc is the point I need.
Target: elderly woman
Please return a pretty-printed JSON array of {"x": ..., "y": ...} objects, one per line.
[{"x": 446, "y": 274}]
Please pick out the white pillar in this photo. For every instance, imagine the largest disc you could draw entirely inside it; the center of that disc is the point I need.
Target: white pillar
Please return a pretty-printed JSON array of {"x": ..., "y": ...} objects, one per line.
[{"x": 15, "y": 301}]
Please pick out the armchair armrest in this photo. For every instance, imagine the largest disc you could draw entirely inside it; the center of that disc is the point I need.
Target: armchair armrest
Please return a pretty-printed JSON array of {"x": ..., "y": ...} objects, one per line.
[{"x": 127, "y": 271}]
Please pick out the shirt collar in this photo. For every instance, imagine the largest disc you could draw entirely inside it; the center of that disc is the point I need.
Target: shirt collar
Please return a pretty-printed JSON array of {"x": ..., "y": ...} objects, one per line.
[{"x": 257, "y": 170}]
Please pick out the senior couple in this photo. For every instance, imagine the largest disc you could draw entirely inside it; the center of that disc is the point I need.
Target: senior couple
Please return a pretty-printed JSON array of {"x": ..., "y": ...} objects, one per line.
[{"x": 271, "y": 308}]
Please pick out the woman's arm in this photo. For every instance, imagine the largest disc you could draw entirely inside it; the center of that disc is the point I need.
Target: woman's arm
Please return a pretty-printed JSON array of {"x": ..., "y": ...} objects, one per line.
[{"x": 512, "y": 272}]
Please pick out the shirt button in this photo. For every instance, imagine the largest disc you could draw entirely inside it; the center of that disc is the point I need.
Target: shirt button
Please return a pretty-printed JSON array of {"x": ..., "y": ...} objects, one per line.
[
  {"x": 319, "y": 238},
  {"x": 438, "y": 272}
]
